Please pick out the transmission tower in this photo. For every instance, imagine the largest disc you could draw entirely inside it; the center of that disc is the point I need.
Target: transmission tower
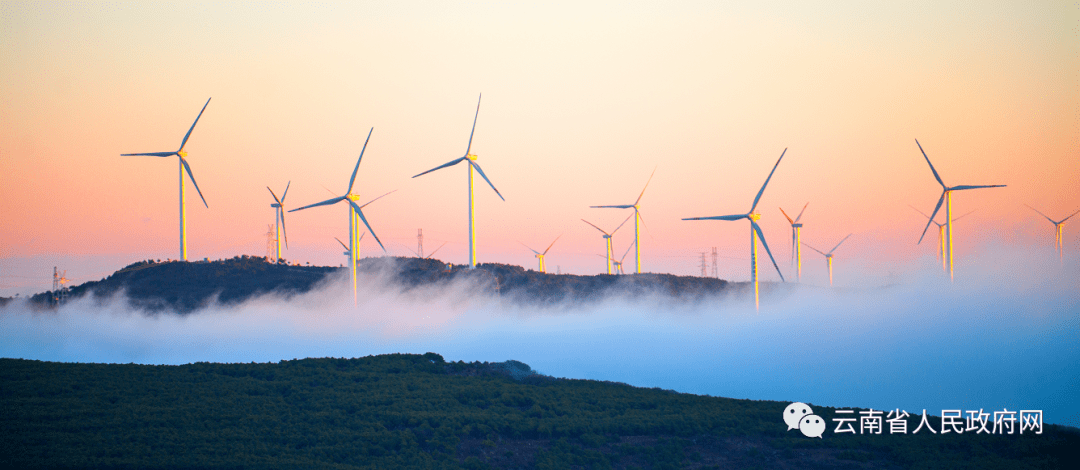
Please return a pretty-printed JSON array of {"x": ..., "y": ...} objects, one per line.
[
  {"x": 715, "y": 268},
  {"x": 420, "y": 242},
  {"x": 271, "y": 245},
  {"x": 703, "y": 273},
  {"x": 59, "y": 286}
]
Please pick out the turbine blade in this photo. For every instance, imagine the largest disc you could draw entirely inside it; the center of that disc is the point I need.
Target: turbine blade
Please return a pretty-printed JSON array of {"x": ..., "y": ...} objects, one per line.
[
  {"x": 612, "y": 207},
  {"x": 801, "y": 212},
  {"x": 593, "y": 226},
  {"x": 646, "y": 186},
  {"x": 627, "y": 252},
  {"x": 965, "y": 215},
  {"x": 551, "y": 245},
  {"x": 530, "y": 249},
  {"x": 762, "y": 190},
  {"x": 936, "y": 208},
  {"x": 285, "y": 194},
  {"x": 353, "y": 178},
  {"x": 376, "y": 199},
  {"x": 936, "y": 176},
  {"x": 815, "y": 249},
  {"x": 792, "y": 222},
  {"x": 928, "y": 217},
  {"x": 720, "y": 217},
  {"x": 364, "y": 219},
  {"x": 190, "y": 175},
  {"x": 1069, "y": 217},
  {"x": 436, "y": 251},
  {"x": 620, "y": 225},
  {"x": 977, "y": 186},
  {"x": 761, "y": 235},
  {"x": 324, "y": 203},
  {"x": 275, "y": 195},
  {"x": 838, "y": 244},
  {"x": 792, "y": 245},
  {"x": 1044, "y": 215},
  {"x": 284, "y": 232},
  {"x": 645, "y": 225},
  {"x": 343, "y": 245},
  {"x": 478, "y": 170},
  {"x": 473, "y": 131},
  {"x": 444, "y": 165},
  {"x": 184, "y": 142},
  {"x": 150, "y": 154}
]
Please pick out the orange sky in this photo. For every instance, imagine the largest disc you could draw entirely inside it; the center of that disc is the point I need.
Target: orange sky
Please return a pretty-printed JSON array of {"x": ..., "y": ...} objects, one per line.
[{"x": 581, "y": 101}]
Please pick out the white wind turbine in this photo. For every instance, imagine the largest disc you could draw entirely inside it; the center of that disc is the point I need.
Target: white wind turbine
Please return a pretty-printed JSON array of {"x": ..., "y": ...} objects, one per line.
[
  {"x": 828, "y": 256},
  {"x": 946, "y": 197},
  {"x": 607, "y": 239},
  {"x": 637, "y": 219},
  {"x": 619, "y": 264},
  {"x": 183, "y": 167},
  {"x": 941, "y": 235},
  {"x": 796, "y": 240},
  {"x": 755, "y": 233},
  {"x": 355, "y": 213},
  {"x": 1059, "y": 241},
  {"x": 540, "y": 256},
  {"x": 471, "y": 159},
  {"x": 279, "y": 218}
]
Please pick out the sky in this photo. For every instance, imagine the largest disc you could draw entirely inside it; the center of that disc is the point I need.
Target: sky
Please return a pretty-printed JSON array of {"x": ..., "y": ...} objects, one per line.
[{"x": 581, "y": 101}]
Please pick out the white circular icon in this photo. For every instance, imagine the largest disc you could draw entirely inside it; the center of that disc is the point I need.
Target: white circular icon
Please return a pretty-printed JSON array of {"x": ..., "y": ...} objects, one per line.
[
  {"x": 794, "y": 413},
  {"x": 812, "y": 426}
]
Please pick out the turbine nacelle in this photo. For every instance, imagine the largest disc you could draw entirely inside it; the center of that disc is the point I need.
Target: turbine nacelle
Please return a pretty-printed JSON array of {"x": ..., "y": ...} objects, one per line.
[
  {"x": 471, "y": 157},
  {"x": 796, "y": 225},
  {"x": 753, "y": 217},
  {"x": 182, "y": 154}
]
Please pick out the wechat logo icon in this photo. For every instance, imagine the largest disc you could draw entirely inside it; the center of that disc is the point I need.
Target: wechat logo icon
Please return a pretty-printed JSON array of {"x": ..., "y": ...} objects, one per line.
[{"x": 800, "y": 416}]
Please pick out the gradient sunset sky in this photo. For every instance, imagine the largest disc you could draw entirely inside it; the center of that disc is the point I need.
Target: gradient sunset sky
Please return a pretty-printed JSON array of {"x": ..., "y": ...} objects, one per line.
[{"x": 581, "y": 100}]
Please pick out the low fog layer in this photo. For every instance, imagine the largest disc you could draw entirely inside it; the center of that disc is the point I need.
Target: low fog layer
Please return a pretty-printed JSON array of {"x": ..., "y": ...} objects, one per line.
[{"x": 1006, "y": 334}]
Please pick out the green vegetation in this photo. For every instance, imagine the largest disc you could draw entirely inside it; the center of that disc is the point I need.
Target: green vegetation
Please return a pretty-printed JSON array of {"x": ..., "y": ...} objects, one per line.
[
  {"x": 417, "y": 411},
  {"x": 184, "y": 287}
]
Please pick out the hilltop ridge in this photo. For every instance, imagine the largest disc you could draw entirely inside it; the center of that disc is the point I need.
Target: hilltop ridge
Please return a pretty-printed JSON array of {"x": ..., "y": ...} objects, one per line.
[{"x": 184, "y": 287}]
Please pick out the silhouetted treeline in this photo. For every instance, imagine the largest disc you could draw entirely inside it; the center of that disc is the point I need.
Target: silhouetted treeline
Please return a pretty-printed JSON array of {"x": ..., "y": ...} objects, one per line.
[
  {"x": 187, "y": 286},
  {"x": 418, "y": 411}
]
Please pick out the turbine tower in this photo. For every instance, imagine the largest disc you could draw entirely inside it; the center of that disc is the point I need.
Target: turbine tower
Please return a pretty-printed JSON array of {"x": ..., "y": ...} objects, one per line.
[
  {"x": 607, "y": 238},
  {"x": 540, "y": 256},
  {"x": 183, "y": 167},
  {"x": 941, "y": 235},
  {"x": 828, "y": 256},
  {"x": 619, "y": 264},
  {"x": 637, "y": 219},
  {"x": 347, "y": 251},
  {"x": 755, "y": 233},
  {"x": 796, "y": 240},
  {"x": 1059, "y": 241},
  {"x": 279, "y": 218},
  {"x": 355, "y": 213},
  {"x": 471, "y": 159},
  {"x": 946, "y": 197}
]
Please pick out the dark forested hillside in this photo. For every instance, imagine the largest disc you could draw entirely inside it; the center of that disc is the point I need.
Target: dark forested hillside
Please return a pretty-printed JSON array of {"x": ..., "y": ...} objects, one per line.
[
  {"x": 417, "y": 411},
  {"x": 187, "y": 286}
]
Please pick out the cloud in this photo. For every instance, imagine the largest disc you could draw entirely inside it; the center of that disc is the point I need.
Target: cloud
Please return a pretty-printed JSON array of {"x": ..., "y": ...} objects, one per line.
[{"x": 1005, "y": 334}]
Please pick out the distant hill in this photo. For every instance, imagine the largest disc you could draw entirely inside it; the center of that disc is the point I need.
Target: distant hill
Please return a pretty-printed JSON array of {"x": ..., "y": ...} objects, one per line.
[
  {"x": 187, "y": 286},
  {"x": 418, "y": 411}
]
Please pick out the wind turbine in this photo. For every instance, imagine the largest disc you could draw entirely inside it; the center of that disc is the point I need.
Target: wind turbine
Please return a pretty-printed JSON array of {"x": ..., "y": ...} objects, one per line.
[
  {"x": 946, "y": 197},
  {"x": 796, "y": 240},
  {"x": 347, "y": 251},
  {"x": 471, "y": 159},
  {"x": 279, "y": 218},
  {"x": 183, "y": 167},
  {"x": 941, "y": 235},
  {"x": 755, "y": 233},
  {"x": 828, "y": 256},
  {"x": 540, "y": 256},
  {"x": 1059, "y": 241},
  {"x": 355, "y": 212},
  {"x": 607, "y": 238},
  {"x": 619, "y": 264},
  {"x": 637, "y": 218},
  {"x": 429, "y": 255}
]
